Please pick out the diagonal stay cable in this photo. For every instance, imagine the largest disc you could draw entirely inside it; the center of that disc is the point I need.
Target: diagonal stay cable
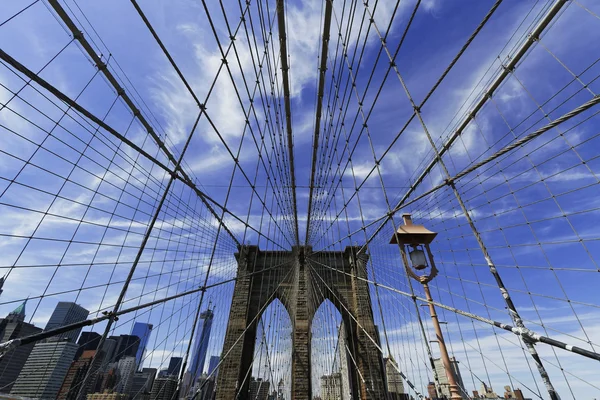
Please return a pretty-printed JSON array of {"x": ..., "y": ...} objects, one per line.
[
  {"x": 322, "y": 77},
  {"x": 77, "y": 34},
  {"x": 431, "y": 91},
  {"x": 251, "y": 107},
  {"x": 487, "y": 94},
  {"x": 288, "y": 110},
  {"x": 207, "y": 200},
  {"x": 527, "y": 334},
  {"x": 11, "y": 344},
  {"x": 353, "y": 317},
  {"x": 224, "y": 54},
  {"x": 226, "y": 353},
  {"x": 587, "y": 105},
  {"x": 516, "y": 144}
]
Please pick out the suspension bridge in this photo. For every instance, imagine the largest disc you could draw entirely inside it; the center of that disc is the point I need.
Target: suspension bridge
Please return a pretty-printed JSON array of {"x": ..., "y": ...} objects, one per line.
[{"x": 319, "y": 200}]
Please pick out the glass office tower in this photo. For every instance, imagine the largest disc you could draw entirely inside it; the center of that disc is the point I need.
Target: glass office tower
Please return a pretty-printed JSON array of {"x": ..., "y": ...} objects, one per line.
[
  {"x": 143, "y": 331},
  {"x": 201, "y": 345}
]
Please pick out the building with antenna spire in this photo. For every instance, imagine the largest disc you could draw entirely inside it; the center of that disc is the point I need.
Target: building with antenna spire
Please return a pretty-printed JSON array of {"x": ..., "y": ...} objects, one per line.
[{"x": 201, "y": 344}]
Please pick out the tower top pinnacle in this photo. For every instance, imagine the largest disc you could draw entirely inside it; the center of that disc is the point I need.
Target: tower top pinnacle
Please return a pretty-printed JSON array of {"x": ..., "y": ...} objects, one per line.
[{"x": 19, "y": 312}]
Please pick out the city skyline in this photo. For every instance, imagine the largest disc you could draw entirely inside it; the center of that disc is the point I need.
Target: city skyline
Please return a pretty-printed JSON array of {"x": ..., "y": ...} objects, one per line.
[
  {"x": 73, "y": 358},
  {"x": 331, "y": 385},
  {"x": 53, "y": 370}
]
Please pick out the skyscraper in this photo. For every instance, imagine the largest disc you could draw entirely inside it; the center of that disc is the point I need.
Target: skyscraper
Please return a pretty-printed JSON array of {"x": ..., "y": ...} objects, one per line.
[
  {"x": 47, "y": 365},
  {"x": 201, "y": 345},
  {"x": 443, "y": 378},
  {"x": 109, "y": 347},
  {"x": 213, "y": 366},
  {"x": 45, "y": 370},
  {"x": 66, "y": 313},
  {"x": 90, "y": 341},
  {"x": 259, "y": 389},
  {"x": 331, "y": 386},
  {"x": 174, "y": 366},
  {"x": 142, "y": 383},
  {"x": 163, "y": 389},
  {"x": 342, "y": 352},
  {"x": 142, "y": 331},
  {"x": 87, "y": 341},
  {"x": 394, "y": 383},
  {"x": 126, "y": 368},
  {"x": 205, "y": 388},
  {"x": 109, "y": 379},
  {"x": 126, "y": 346},
  {"x": 13, "y": 327},
  {"x": 71, "y": 385}
]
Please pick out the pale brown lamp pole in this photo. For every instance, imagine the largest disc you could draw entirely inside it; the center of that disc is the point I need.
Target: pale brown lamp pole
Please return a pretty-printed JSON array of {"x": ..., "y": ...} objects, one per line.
[{"x": 413, "y": 238}]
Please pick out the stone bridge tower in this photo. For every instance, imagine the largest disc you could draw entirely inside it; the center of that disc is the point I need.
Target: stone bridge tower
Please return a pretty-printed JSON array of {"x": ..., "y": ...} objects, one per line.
[{"x": 304, "y": 276}]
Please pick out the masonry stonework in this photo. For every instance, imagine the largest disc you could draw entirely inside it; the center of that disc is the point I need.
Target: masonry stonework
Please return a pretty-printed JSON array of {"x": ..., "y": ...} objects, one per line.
[{"x": 297, "y": 278}]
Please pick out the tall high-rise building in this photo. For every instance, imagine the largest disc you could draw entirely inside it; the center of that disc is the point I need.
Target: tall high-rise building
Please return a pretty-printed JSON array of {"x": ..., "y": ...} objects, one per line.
[
  {"x": 126, "y": 346},
  {"x": 142, "y": 383},
  {"x": 201, "y": 344},
  {"x": 87, "y": 341},
  {"x": 281, "y": 390},
  {"x": 343, "y": 360},
  {"x": 163, "y": 389},
  {"x": 126, "y": 367},
  {"x": 141, "y": 330},
  {"x": 73, "y": 380},
  {"x": 174, "y": 366},
  {"x": 331, "y": 387},
  {"x": 108, "y": 347},
  {"x": 393, "y": 380},
  {"x": 443, "y": 378},
  {"x": 13, "y": 327},
  {"x": 186, "y": 383},
  {"x": 66, "y": 313},
  {"x": 205, "y": 388},
  {"x": 109, "y": 379},
  {"x": 103, "y": 375},
  {"x": 213, "y": 365},
  {"x": 45, "y": 370},
  {"x": 47, "y": 365},
  {"x": 259, "y": 389}
]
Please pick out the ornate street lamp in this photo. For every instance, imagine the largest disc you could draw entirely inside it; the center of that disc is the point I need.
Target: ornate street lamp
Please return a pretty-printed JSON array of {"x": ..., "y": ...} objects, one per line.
[{"x": 415, "y": 240}]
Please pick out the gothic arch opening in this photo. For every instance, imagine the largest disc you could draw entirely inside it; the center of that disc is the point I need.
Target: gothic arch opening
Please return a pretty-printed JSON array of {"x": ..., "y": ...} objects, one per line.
[
  {"x": 270, "y": 373},
  {"x": 330, "y": 369}
]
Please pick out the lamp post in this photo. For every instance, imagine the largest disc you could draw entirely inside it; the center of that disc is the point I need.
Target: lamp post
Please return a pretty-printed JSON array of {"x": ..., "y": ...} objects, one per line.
[{"x": 415, "y": 240}]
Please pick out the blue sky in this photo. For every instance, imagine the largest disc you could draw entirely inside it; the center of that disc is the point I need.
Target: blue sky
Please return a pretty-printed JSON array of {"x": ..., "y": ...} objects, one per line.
[{"x": 535, "y": 208}]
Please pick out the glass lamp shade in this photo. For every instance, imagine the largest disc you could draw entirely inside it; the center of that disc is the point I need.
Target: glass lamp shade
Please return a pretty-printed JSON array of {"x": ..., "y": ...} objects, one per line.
[{"x": 417, "y": 258}]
